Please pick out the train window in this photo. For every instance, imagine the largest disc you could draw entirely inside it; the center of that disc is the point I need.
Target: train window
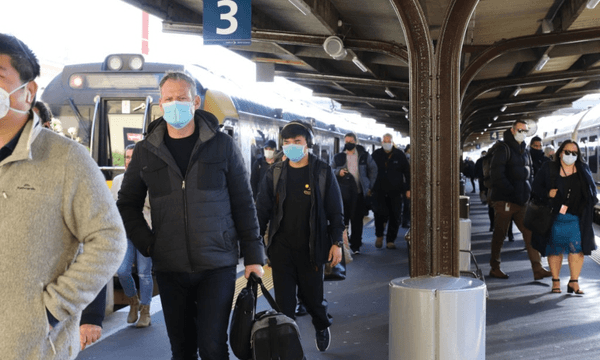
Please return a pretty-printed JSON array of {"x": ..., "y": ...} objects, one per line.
[
  {"x": 115, "y": 81},
  {"x": 593, "y": 154},
  {"x": 125, "y": 121},
  {"x": 325, "y": 155},
  {"x": 228, "y": 130}
]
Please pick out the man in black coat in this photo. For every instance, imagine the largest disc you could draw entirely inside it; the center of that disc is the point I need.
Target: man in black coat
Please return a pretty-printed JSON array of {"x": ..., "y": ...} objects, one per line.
[
  {"x": 393, "y": 180},
  {"x": 202, "y": 209},
  {"x": 261, "y": 165},
  {"x": 355, "y": 163},
  {"x": 537, "y": 154},
  {"x": 511, "y": 175}
]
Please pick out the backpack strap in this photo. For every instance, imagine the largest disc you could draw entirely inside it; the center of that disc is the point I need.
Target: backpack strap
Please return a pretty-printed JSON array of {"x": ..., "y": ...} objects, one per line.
[{"x": 276, "y": 174}]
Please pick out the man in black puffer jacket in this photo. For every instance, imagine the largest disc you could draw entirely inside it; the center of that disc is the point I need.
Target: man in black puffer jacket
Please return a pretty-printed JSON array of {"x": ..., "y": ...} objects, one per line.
[
  {"x": 511, "y": 174},
  {"x": 202, "y": 207}
]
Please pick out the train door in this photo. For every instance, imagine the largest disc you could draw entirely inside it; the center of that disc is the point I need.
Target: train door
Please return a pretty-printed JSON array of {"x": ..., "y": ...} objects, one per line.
[
  {"x": 336, "y": 145},
  {"x": 592, "y": 151},
  {"x": 583, "y": 148},
  {"x": 123, "y": 126}
]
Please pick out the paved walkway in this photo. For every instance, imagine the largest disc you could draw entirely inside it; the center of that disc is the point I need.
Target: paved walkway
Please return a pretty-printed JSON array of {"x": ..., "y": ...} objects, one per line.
[{"x": 524, "y": 320}]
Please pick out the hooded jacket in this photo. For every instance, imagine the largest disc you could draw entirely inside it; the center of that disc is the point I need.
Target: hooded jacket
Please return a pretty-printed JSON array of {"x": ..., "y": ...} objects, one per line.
[
  {"x": 53, "y": 202},
  {"x": 326, "y": 214},
  {"x": 511, "y": 177},
  {"x": 199, "y": 217}
]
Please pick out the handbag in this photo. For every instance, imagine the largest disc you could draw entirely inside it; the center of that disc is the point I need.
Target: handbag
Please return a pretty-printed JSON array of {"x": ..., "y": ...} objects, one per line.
[
  {"x": 242, "y": 321},
  {"x": 538, "y": 216}
]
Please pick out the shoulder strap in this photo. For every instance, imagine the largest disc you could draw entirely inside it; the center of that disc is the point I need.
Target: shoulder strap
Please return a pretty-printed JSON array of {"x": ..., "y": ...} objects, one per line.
[
  {"x": 507, "y": 148},
  {"x": 322, "y": 179},
  {"x": 276, "y": 174},
  {"x": 265, "y": 292}
]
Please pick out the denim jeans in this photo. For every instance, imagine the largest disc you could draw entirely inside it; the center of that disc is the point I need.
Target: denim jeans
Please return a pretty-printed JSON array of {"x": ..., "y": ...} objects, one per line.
[
  {"x": 144, "y": 269},
  {"x": 196, "y": 307}
]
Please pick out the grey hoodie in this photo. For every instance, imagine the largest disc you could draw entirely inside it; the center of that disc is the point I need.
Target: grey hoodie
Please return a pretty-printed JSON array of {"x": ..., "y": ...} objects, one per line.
[{"x": 53, "y": 201}]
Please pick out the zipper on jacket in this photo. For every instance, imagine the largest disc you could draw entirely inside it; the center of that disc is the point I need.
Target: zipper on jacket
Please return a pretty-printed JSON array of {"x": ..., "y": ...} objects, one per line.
[{"x": 185, "y": 223}]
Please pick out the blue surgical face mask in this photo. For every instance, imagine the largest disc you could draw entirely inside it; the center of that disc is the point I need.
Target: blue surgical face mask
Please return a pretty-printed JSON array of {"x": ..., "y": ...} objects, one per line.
[
  {"x": 294, "y": 152},
  {"x": 178, "y": 113}
]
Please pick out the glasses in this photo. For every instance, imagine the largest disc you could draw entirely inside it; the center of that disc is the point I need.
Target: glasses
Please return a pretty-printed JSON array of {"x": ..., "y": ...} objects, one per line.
[
  {"x": 569, "y": 153},
  {"x": 522, "y": 131}
]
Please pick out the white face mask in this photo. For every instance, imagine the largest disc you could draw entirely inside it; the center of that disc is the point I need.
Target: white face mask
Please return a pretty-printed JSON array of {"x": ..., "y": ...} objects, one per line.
[
  {"x": 520, "y": 137},
  {"x": 5, "y": 101},
  {"x": 569, "y": 159},
  {"x": 269, "y": 154},
  {"x": 387, "y": 146}
]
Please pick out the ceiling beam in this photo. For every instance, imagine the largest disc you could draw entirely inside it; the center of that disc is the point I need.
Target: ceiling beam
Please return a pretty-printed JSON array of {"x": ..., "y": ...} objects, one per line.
[
  {"x": 361, "y": 99},
  {"x": 318, "y": 78}
]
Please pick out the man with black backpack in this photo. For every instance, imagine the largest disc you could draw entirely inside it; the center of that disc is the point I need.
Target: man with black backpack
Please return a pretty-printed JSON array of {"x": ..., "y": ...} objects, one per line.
[
  {"x": 300, "y": 200},
  {"x": 355, "y": 163},
  {"x": 511, "y": 176}
]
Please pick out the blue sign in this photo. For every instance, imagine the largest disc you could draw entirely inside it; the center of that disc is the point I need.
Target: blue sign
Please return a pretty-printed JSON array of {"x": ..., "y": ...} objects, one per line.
[{"x": 227, "y": 22}]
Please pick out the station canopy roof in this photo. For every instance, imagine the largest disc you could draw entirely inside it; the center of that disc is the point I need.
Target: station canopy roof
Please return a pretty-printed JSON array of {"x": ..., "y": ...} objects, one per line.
[{"x": 520, "y": 59}]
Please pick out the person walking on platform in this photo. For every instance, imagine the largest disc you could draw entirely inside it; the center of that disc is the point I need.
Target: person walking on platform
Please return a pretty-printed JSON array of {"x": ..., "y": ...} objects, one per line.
[
  {"x": 483, "y": 190},
  {"x": 537, "y": 154},
  {"x": 202, "y": 209},
  {"x": 405, "y": 199},
  {"x": 393, "y": 180},
  {"x": 300, "y": 201},
  {"x": 511, "y": 175},
  {"x": 143, "y": 264},
  {"x": 61, "y": 235},
  {"x": 261, "y": 165},
  {"x": 356, "y": 161},
  {"x": 567, "y": 184}
]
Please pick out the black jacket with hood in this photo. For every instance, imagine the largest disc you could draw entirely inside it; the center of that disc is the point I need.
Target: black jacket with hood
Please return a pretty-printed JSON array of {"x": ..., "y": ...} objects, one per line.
[
  {"x": 511, "y": 173},
  {"x": 326, "y": 214},
  {"x": 199, "y": 217}
]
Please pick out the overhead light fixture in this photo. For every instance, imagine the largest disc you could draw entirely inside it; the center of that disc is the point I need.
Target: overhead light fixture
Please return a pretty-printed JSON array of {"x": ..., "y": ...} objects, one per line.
[
  {"x": 390, "y": 93},
  {"x": 405, "y": 109},
  {"x": 495, "y": 117},
  {"x": 334, "y": 47},
  {"x": 503, "y": 109},
  {"x": 359, "y": 64},
  {"x": 301, "y": 6},
  {"x": 592, "y": 4},
  {"x": 517, "y": 91},
  {"x": 540, "y": 65},
  {"x": 547, "y": 26}
]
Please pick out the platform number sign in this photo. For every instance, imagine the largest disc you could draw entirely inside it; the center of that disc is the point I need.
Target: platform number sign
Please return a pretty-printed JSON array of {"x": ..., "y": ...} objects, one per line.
[
  {"x": 494, "y": 135},
  {"x": 227, "y": 22}
]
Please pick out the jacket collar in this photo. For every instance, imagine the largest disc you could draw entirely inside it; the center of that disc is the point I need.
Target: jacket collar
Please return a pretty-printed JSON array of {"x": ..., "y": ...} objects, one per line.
[{"x": 29, "y": 133}]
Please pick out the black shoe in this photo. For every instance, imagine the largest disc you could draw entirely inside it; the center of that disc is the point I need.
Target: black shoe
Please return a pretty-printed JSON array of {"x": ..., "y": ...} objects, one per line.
[
  {"x": 323, "y": 339},
  {"x": 301, "y": 310}
]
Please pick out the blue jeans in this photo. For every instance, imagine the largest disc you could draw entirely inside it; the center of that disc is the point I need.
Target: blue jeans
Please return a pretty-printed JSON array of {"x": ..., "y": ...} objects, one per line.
[
  {"x": 144, "y": 269},
  {"x": 196, "y": 307}
]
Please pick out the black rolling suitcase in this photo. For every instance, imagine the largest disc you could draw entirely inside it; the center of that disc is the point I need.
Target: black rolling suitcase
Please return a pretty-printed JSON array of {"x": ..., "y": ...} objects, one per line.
[{"x": 274, "y": 336}]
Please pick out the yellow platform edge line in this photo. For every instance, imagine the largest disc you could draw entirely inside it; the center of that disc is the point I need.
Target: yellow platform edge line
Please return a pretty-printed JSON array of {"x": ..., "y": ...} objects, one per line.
[{"x": 241, "y": 282}]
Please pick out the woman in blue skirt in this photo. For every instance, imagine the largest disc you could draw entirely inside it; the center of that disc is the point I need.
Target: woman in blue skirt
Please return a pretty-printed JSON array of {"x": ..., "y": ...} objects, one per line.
[{"x": 567, "y": 184}]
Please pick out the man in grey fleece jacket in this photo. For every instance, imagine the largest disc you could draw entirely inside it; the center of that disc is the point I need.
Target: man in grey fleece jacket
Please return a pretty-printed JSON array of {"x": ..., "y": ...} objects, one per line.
[{"x": 53, "y": 201}]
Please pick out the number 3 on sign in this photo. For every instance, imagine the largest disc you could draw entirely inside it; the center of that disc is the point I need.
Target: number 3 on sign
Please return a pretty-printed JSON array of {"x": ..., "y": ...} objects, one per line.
[{"x": 230, "y": 16}]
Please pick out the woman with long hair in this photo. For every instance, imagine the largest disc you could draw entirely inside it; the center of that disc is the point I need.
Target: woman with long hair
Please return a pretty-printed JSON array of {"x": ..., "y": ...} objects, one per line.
[{"x": 567, "y": 184}]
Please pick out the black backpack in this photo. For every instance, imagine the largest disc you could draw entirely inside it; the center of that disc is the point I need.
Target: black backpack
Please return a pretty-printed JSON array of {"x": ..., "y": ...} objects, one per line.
[
  {"x": 274, "y": 336},
  {"x": 486, "y": 163}
]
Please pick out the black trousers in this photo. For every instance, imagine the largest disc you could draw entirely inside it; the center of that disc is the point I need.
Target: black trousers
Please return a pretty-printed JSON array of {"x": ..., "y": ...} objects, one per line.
[
  {"x": 388, "y": 210},
  {"x": 356, "y": 223},
  {"x": 293, "y": 273},
  {"x": 196, "y": 307}
]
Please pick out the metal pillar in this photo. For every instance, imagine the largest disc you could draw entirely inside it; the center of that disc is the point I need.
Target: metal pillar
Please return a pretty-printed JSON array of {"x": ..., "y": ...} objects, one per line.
[{"x": 434, "y": 133}]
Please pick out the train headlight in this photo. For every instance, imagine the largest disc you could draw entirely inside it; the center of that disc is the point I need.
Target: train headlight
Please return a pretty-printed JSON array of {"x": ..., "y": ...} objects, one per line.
[
  {"x": 115, "y": 63},
  {"x": 76, "y": 81},
  {"x": 136, "y": 63}
]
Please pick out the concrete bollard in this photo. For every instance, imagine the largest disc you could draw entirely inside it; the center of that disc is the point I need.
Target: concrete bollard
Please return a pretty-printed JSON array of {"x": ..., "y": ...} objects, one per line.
[{"x": 437, "y": 318}]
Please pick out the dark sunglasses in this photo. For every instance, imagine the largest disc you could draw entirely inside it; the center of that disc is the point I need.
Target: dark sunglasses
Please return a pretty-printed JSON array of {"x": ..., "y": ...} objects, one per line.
[
  {"x": 568, "y": 152},
  {"x": 522, "y": 131}
]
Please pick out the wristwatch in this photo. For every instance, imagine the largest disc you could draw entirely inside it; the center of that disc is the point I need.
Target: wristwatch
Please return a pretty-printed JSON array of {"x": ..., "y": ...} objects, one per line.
[{"x": 339, "y": 244}]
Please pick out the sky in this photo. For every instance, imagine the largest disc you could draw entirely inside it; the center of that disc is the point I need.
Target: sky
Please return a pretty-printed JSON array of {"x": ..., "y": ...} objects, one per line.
[{"x": 62, "y": 32}]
